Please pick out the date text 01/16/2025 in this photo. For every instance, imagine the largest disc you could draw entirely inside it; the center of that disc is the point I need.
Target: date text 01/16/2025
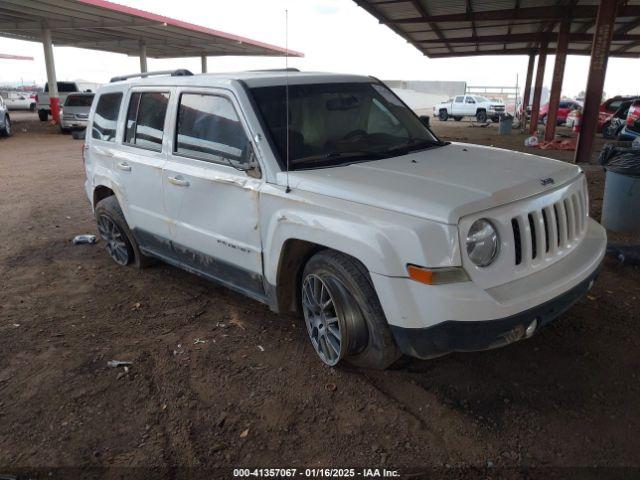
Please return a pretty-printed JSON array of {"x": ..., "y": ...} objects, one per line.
[{"x": 336, "y": 473}]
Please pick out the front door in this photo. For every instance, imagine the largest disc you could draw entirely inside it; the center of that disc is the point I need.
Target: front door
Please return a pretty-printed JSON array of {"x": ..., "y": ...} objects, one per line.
[
  {"x": 211, "y": 202},
  {"x": 457, "y": 107},
  {"x": 138, "y": 165}
]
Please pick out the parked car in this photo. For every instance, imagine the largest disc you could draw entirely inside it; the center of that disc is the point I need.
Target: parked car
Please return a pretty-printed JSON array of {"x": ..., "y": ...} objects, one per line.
[
  {"x": 19, "y": 100},
  {"x": 75, "y": 112},
  {"x": 617, "y": 121},
  {"x": 609, "y": 107},
  {"x": 43, "y": 102},
  {"x": 469, "y": 106},
  {"x": 631, "y": 129},
  {"x": 564, "y": 107},
  {"x": 5, "y": 120},
  {"x": 326, "y": 195}
]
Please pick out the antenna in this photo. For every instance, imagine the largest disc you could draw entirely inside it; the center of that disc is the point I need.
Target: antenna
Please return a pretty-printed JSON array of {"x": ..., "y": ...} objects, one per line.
[{"x": 286, "y": 93}]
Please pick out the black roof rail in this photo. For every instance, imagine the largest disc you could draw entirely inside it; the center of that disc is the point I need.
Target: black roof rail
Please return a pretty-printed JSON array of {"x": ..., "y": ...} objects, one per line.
[
  {"x": 181, "y": 72},
  {"x": 290, "y": 69}
]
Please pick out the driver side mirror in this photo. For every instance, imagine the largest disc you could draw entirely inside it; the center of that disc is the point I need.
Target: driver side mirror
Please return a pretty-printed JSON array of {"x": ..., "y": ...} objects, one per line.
[
  {"x": 249, "y": 162},
  {"x": 425, "y": 120}
]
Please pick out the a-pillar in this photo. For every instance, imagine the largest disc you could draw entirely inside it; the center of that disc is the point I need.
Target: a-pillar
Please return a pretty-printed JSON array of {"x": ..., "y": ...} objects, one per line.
[
  {"x": 143, "y": 57},
  {"x": 527, "y": 89},
  {"x": 558, "y": 77},
  {"x": 537, "y": 91},
  {"x": 54, "y": 99},
  {"x": 595, "y": 82}
]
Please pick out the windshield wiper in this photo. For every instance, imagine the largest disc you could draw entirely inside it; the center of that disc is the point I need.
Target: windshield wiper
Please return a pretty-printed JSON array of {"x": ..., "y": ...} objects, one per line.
[
  {"x": 352, "y": 155},
  {"x": 415, "y": 144}
]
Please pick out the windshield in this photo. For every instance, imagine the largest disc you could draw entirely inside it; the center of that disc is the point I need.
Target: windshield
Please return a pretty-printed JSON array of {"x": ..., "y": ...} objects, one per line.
[
  {"x": 337, "y": 123},
  {"x": 78, "y": 101}
]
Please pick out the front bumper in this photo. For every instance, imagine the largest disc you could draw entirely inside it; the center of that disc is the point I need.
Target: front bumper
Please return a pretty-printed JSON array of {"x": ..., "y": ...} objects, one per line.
[
  {"x": 454, "y": 336},
  {"x": 417, "y": 312},
  {"x": 73, "y": 123}
]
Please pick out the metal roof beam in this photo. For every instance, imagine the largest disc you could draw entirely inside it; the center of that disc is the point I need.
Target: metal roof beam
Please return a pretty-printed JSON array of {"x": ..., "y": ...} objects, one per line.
[
  {"x": 530, "y": 13},
  {"x": 527, "y": 37},
  {"x": 523, "y": 51}
]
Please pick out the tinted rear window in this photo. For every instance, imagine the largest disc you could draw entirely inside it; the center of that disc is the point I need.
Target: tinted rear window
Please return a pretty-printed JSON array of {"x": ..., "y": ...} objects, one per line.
[
  {"x": 64, "y": 87},
  {"x": 106, "y": 117},
  {"x": 145, "y": 119},
  {"x": 78, "y": 101}
]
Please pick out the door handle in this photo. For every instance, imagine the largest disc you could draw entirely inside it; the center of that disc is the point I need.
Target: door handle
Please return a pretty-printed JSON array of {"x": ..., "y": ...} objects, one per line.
[
  {"x": 124, "y": 166},
  {"x": 178, "y": 181}
]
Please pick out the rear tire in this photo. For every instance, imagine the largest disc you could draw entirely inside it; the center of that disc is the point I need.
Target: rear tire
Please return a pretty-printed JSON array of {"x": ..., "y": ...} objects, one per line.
[
  {"x": 361, "y": 330},
  {"x": 443, "y": 116},
  {"x": 43, "y": 115},
  {"x": 116, "y": 235},
  {"x": 6, "y": 130},
  {"x": 32, "y": 107}
]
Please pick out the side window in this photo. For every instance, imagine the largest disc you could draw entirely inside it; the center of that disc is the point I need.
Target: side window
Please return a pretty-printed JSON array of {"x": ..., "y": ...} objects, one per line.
[
  {"x": 106, "y": 117},
  {"x": 460, "y": 99},
  {"x": 145, "y": 119},
  {"x": 470, "y": 100},
  {"x": 209, "y": 128}
]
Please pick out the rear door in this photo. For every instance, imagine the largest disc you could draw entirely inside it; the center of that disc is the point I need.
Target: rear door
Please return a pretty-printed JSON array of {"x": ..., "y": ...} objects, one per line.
[
  {"x": 212, "y": 205},
  {"x": 138, "y": 165}
]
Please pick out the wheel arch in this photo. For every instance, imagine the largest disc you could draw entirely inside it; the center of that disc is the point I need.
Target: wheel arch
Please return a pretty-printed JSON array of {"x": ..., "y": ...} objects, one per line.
[{"x": 100, "y": 192}]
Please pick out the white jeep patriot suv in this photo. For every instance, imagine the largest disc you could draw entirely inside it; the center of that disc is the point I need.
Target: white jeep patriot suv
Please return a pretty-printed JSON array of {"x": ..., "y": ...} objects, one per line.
[{"x": 326, "y": 195}]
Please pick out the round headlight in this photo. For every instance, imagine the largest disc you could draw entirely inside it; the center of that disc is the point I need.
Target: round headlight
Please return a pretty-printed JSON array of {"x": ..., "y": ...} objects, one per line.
[{"x": 483, "y": 243}]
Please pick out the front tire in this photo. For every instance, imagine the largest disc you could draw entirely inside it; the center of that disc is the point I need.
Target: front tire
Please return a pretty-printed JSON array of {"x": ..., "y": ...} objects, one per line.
[
  {"x": 481, "y": 116},
  {"x": 116, "y": 235},
  {"x": 342, "y": 313},
  {"x": 443, "y": 115},
  {"x": 6, "y": 130}
]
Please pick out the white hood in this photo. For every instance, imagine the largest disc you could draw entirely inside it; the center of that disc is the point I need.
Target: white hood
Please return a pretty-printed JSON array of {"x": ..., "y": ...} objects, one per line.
[{"x": 442, "y": 183}]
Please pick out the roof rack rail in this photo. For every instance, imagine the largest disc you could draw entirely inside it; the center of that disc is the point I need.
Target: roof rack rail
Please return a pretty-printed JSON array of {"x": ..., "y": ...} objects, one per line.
[
  {"x": 181, "y": 72},
  {"x": 290, "y": 69}
]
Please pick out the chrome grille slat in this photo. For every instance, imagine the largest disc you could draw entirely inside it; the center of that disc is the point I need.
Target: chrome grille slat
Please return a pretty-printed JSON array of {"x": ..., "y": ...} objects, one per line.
[
  {"x": 571, "y": 222},
  {"x": 544, "y": 232}
]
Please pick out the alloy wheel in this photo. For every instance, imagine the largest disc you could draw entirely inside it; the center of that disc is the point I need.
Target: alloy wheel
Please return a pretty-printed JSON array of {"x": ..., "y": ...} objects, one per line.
[
  {"x": 114, "y": 240},
  {"x": 325, "y": 327}
]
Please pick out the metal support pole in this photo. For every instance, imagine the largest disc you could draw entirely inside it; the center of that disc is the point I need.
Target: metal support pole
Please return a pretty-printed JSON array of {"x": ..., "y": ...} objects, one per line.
[
  {"x": 527, "y": 89},
  {"x": 556, "y": 84},
  {"x": 143, "y": 57},
  {"x": 537, "y": 91},
  {"x": 203, "y": 61},
  {"x": 595, "y": 82},
  {"x": 54, "y": 100}
]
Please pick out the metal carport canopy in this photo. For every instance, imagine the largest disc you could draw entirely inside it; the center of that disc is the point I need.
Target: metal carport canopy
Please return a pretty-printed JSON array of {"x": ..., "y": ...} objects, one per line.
[
  {"x": 102, "y": 25},
  {"x": 456, "y": 28}
]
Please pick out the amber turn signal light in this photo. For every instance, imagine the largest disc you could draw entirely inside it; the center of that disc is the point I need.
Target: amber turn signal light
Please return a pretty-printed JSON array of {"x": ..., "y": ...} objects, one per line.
[{"x": 437, "y": 276}]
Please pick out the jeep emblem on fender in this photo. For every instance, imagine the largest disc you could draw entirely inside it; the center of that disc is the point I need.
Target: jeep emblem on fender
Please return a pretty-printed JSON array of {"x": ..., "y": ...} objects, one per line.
[{"x": 547, "y": 181}]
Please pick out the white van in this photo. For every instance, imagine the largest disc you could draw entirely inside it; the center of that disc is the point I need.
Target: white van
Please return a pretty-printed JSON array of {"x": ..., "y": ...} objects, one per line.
[{"x": 344, "y": 207}]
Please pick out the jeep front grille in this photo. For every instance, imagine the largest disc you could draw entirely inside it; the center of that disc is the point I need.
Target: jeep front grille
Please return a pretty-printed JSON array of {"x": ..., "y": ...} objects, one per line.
[{"x": 541, "y": 233}]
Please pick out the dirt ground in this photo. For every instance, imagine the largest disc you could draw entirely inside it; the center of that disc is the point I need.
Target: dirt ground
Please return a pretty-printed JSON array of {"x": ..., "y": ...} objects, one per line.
[{"x": 219, "y": 381}]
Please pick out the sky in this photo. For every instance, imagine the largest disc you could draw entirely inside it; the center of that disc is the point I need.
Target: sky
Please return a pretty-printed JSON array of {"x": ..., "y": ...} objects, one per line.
[{"x": 335, "y": 36}]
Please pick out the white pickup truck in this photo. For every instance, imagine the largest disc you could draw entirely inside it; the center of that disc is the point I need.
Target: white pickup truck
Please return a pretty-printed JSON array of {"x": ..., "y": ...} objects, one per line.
[
  {"x": 43, "y": 103},
  {"x": 469, "y": 106}
]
